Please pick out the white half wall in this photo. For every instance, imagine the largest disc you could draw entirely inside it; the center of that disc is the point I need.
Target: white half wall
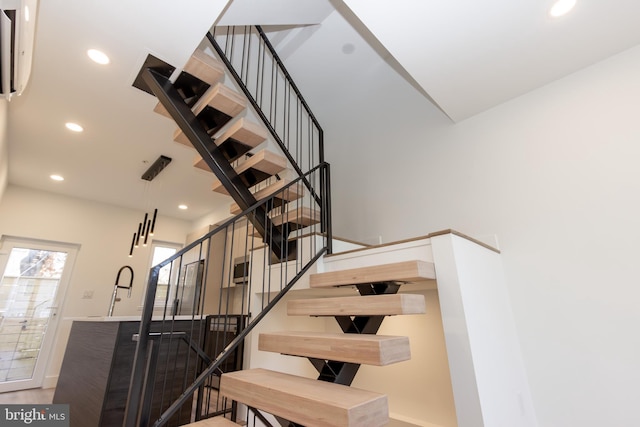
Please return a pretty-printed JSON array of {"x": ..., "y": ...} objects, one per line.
[
  {"x": 553, "y": 174},
  {"x": 487, "y": 373}
]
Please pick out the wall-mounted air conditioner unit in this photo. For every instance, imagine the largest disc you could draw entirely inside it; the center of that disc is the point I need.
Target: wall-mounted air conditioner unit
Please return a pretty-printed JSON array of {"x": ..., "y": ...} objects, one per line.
[{"x": 17, "y": 36}]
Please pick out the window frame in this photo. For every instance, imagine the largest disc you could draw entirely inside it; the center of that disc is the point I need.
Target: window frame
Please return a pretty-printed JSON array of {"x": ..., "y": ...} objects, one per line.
[{"x": 160, "y": 304}]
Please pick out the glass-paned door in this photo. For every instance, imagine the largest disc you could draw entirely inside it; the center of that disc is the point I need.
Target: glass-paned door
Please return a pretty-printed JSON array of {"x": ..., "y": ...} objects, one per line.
[{"x": 29, "y": 293}]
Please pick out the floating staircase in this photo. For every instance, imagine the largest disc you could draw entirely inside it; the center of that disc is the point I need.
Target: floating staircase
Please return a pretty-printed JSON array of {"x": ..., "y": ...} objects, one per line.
[
  {"x": 329, "y": 400},
  {"x": 214, "y": 119},
  {"x": 247, "y": 165},
  {"x": 251, "y": 167}
]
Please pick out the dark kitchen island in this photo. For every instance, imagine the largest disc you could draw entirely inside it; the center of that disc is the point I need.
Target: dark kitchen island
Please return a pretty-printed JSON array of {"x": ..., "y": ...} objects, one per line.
[{"x": 95, "y": 373}]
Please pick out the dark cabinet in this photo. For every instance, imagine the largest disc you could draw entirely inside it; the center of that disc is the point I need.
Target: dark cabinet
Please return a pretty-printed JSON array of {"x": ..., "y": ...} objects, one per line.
[{"x": 95, "y": 373}]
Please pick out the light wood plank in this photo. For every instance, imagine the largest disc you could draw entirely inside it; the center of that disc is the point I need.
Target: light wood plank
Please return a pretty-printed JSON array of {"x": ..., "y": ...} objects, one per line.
[
  {"x": 306, "y": 401},
  {"x": 213, "y": 422},
  {"x": 205, "y": 67},
  {"x": 180, "y": 137},
  {"x": 264, "y": 161},
  {"x": 220, "y": 97},
  {"x": 406, "y": 271},
  {"x": 370, "y": 305},
  {"x": 303, "y": 216},
  {"x": 292, "y": 193},
  {"x": 365, "y": 349},
  {"x": 244, "y": 131}
]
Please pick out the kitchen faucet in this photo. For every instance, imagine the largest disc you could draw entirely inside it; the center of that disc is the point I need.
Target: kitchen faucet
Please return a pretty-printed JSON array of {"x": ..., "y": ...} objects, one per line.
[{"x": 117, "y": 286}]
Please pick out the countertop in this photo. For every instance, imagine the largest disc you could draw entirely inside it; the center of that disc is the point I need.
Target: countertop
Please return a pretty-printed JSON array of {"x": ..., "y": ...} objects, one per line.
[{"x": 127, "y": 318}]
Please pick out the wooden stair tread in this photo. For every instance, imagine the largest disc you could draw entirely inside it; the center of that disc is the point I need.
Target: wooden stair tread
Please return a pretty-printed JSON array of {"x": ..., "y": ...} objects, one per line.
[
  {"x": 293, "y": 192},
  {"x": 264, "y": 161},
  {"x": 306, "y": 401},
  {"x": 406, "y": 271},
  {"x": 213, "y": 422},
  {"x": 297, "y": 218},
  {"x": 365, "y": 349},
  {"x": 244, "y": 131},
  {"x": 302, "y": 216},
  {"x": 370, "y": 305},
  {"x": 236, "y": 141},
  {"x": 222, "y": 98},
  {"x": 219, "y": 97},
  {"x": 205, "y": 67}
]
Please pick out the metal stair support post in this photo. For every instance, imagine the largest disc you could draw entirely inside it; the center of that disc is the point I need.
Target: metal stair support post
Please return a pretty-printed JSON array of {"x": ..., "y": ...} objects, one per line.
[{"x": 342, "y": 372}]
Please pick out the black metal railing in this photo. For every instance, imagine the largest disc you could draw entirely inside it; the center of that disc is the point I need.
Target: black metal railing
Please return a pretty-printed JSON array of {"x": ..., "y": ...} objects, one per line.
[
  {"x": 202, "y": 303},
  {"x": 262, "y": 76},
  {"x": 216, "y": 290},
  {"x": 260, "y": 73}
]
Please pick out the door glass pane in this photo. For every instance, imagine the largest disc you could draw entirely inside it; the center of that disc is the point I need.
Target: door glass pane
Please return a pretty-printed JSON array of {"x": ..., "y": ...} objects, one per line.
[
  {"x": 160, "y": 253},
  {"x": 27, "y": 292}
]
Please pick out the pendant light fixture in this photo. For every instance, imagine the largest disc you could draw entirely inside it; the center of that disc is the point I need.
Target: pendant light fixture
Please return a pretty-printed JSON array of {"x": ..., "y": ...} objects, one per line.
[{"x": 147, "y": 227}]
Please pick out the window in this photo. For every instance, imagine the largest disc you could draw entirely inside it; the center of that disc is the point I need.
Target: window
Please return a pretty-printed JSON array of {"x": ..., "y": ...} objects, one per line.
[{"x": 159, "y": 252}]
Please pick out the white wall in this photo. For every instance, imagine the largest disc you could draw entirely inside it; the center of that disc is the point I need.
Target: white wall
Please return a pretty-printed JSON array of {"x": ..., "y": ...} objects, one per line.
[
  {"x": 4, "y": 149},
  {"x": 553, "y": 174},
  {"x": 103, "y": 233}
]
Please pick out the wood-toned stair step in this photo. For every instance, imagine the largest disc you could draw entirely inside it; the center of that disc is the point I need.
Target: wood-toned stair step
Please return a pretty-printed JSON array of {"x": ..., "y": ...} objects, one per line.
[
  {"x": 406, "y": 271},
  {"x": 293, "y": 192},
  {"x": 236, "y": 141},
  {"x": 213, "y": 422},
  {"x": 370, "y": 305},
  {"x": 205, "y": 67},
  {"x": 255, "y": 169},
  {"x": 292, "y": 219},
  {"x": 306, "y": 401},
  {"x": 364, "y": 349},
  {"x": 301, "y": 217},
  {"x": 214, "y": 109},
  {"x": 222, "y": 98},
  {"x": 245, "y": 132},
  {"x": 202, "y": 66}
]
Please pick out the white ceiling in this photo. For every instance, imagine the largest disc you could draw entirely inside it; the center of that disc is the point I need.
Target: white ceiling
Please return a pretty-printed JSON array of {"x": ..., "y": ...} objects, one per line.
[
  {"x": 471, "y": 55},
  {"x": 467, "y": 56}
]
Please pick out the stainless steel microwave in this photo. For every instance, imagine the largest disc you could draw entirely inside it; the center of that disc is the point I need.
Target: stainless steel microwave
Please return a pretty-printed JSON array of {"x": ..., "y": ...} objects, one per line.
[{"x": 241, "y": 270}]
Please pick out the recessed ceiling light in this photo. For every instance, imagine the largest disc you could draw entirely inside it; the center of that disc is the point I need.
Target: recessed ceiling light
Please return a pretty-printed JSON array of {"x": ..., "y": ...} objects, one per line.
[
  {"x": 74, "y": 127},
  {"x": 183, "y": 207},
  {"x": 56, "y": 178},
  {"x": 98, "y": 56},
  {"x": 561, "y": 7}
]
